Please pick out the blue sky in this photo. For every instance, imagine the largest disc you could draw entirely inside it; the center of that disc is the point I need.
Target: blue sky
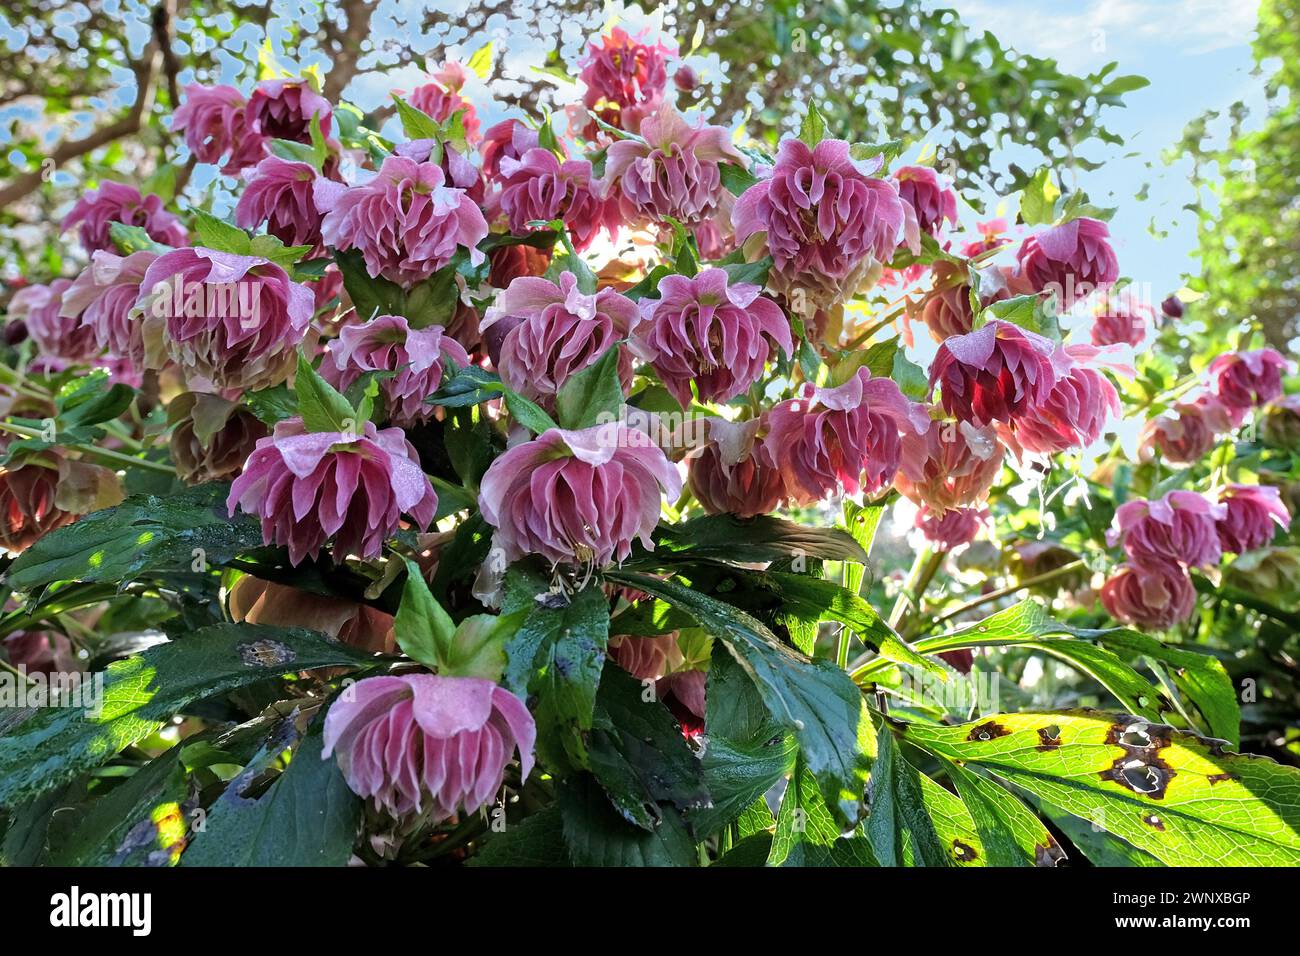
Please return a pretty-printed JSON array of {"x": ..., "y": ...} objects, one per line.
[{"x": 1196, "y": 53}]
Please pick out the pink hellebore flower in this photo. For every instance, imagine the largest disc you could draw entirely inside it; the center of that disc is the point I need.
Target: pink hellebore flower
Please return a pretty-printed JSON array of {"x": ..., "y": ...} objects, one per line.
[
  {"x": 1188, "y": 431},
  {"x": 309, "y": 486},
  {"x": 538, "y": 187},
  {"x": 103, "y": 297},
  {"x": 281, "y": 194},
  {"x": 577, "y": 496},
  {"x": 406, "y": 221},
  {"x": 703, "y": 331},
  {"x": 388, "y": 344},
  {"x": 1179, "y": 527},
  {"x": 952, "y": 528},
  {"x": 547, "y": 332},
  {"x": 843, "y": 437},
  {"x": 112, "y": 202},
  {"x": 57, "y": 335},
  {"x": 735, "y": 472},
  {"x": 828, "y": 221},
  {"x": 1252, "y": 512},
  {"x": 1156, "y": 594},
  {"x": 994, "y": 373},
  {"x": 441, "y": 99},
  {"x": 926, "y": 192},
  {"x": 283, "y": 109},
  {"x": 509, "y": 139},
  {"x": 623, "y": 70},
  {"x": 645, "y": 658},
  {"x": 949, "y": 465},
  {"x": 1243, "y": 380},
  {"x": 212, "y": 119},
  {"x": 672, "y": 171},
  {"x": 1121, "y": 323},
  {"x": 1075, "y": 411},
  {"x": 422, "y": 742},
  {"x": 1073, "y": 260},
  {"x": 228, "y": 321}
]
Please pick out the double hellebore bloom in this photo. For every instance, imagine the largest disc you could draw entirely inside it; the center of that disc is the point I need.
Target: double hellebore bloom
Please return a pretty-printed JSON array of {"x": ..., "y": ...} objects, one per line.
[
  {"x": 212, "y": 120},
  {"x": 283, "y": 109},
  {"x": 952, "y": 528},
  {"x": 421, "y": 742},
  {"x": 547, "y": 332},
  {"x": 98, "y": 209},
  {"x": 103, "y": 297},
  {"x": 1156, "y": 594},
  {"x": 1180, "y": 527},
  {"x": 1119, "y": 322},
  {"x": 995, "y": 373},
  {"x": 441, "y": 99},
  {"x": 407, "y": 222},
  {"x": 949, "y": 465},
  {"x": 1243, "y": 380},
  {"x": 388, "y": 344},
  {"x": 1252, "y": 512},
  {"x": 1075, "y": 411},
  {"x": 28, "y": 512},
  {"x": 57, "y": 335},
  {"x": 828, "y": 221},
  {"x": 1073, "y": 260},
  {"x": 735, "y": 471},
  {"x": 228, "y": 321},
  {"x": 672, "y": 171},
  {"x": 1187, "y": 432},
  {"x": 539, "y": 188},
  {"x": 704, "y": 331},
  {"x": 622, "y": 72},
  {"x": 933, "y": 201},
  {"x": 280, "y": 193},
  {"x": 309, "y": 486},
  {"x": 577, "y": 497},
  {"x": 842, "y": 437}
]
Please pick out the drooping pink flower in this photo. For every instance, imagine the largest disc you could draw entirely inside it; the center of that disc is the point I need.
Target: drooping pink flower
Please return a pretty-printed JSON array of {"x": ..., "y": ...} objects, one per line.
[
  {"x": 946, "y": 309},
  {"x": 703, "y": 331},
  {"x": 952, "y": 528},
  {"x": 846, "y": 437},
  {"x": 283, "y": 109},
  {"x": 114, "y": 202},
  {"x": 577, "y": 496},
  {"x": 41, "y": 652},
  {"x": 683, "y": 693},
  {"x": 1121, "y": 322},
  {"x": 929, "y": 195},
  {"x": 28, "y": 510},
  {"x": 425, "y": 742},
  {"x": 103, "y": 297},
  {"x": 508, "y": 139},
  {"x": 828, "y": 220},
  {"x": 1188, "y": 431},
  {"x": 538, "y": 188},
  {"x": 387, "y": 343},
  {"x": 441, "y": 99},
  {"x": 1179, "y": 527},
  {"x": 547, "y": 332},
  {"x": 1073, "y": 260},
  {"x": 1156, "y": 594},
  {"x": 228, "y": 321},
  {"x": 1252, "y": 510},
  {"x": 735, "y": 471},
  {"x": 994, "y": 373},
  {"x": 623, "y": 71},
  {"x": 280, "y": 193},
  {"x": 1243, "y": 380},
  {"x": 57, "y": 335},
  {"x": 406, "y": 221},
  {"x": 457, "y": 170},
  {"x": 212, "y": 120},
  {"x": 1075, "y": 411},
  {"x": 949, "y": 465},
  {"x": 645, "y": 658},
  {"x": 673, "y": 170},
  {"x": 310, "y": 486}
]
